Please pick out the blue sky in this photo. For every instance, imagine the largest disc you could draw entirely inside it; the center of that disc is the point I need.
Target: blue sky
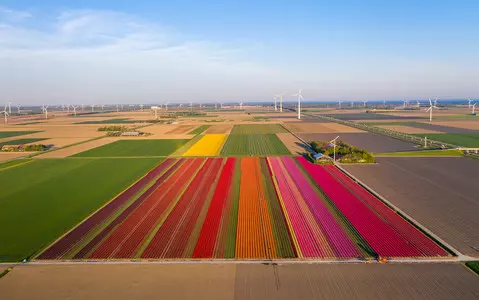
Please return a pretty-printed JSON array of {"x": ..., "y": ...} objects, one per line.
[{"x": 152, "y": 51}]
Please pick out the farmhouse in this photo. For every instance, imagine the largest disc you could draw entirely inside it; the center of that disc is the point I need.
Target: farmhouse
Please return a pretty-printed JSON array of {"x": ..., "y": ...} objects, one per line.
[{"x": 13, "y": 148}]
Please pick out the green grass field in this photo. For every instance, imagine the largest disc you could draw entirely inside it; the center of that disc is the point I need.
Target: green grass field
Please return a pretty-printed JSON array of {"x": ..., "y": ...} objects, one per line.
[
  {"x": 253, "y": 144},
  {"x": 474, "y": 266},
  {"x": 42, "y": 199},
  {"x": 12, "y": 163},
  {"x": 461, "y": 139},
  {"x": 132, "y": 148},
  {"x": 258, "y": 129},
  {"x": 21, "y": 141},
  {"x": 7, "y": 134},
  {"x": 111, "y": 121},
  {"x": 199, "y": 129}
]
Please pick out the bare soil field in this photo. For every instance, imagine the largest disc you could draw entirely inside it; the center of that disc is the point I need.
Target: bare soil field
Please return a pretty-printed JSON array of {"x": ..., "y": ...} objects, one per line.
[
  {"x": 386, "y": 120},
  {"x": 240, "y": 281},
  {"x": 181, "y": 129},
  {"x": 4, "y": 156},
  {"x": 77, "y": 148},
  {"x": 366, "y": 140},
  {"x": 61, "y": 142},
  {"x": 61, "y": 131},
  {"x": 294, "y": 145},
  {"x": 219, "y": 129},
  {"x": 441, "y": 193},
  {"x": 465, "y": 124},
  {"x": 407, "y": 129},
  {"x": 320, "y": 128}
]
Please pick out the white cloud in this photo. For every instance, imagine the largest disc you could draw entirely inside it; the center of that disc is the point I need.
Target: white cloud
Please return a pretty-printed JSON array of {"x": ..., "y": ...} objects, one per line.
[{"x": 96, "y": 56}]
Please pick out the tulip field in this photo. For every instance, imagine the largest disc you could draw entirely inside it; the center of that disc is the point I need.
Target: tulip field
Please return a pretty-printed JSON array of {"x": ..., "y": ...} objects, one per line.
[{"x": 243, "y": 208}]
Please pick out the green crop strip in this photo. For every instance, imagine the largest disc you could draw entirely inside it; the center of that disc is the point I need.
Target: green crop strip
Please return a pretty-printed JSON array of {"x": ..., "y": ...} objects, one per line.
[{"x": 199, "y": 129}]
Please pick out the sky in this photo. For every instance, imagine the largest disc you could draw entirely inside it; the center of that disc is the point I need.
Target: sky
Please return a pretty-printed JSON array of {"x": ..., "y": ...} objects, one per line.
[{"x": 65, "y": 52}]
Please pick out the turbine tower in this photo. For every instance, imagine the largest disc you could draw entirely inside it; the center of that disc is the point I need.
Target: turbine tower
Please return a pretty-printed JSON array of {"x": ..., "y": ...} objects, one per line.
[
  {"x": 469, "y": 102},
  {"x": 339, "y": 104},
  {"x": 6, "y": 114},
  {"x": 45, "y": 110},
  {"x": 364, "y": 103},
  {"x": 275, "y": 106},
  {"x": 431, "y": 107},
  {"x": 473, "y": 109},
  {"x": 300, "y": 97},
  {"x": 18, "y": 108},
  {"x": 75, "y": 110},
  {"x": 9, "y": 107}
]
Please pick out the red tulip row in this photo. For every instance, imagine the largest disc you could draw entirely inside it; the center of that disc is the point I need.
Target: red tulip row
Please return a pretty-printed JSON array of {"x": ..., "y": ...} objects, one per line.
[
  {"x": 418, "y": 239},
  {"x": 208, "y": 238},
  {"x": 171, "y": 239},
  {"x": 384, "y": 240},
  {"x": 127, "y": 237},
  {"x": 77, "y": 235}
]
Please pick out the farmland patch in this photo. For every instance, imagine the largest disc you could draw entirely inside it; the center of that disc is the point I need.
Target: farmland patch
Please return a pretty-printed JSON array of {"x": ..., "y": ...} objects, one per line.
[{"x": 132, "y": 148}]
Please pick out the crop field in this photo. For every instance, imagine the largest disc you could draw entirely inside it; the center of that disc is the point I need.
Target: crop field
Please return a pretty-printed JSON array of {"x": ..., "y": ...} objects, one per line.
[
  {"x": 208, "y": 145},
  {"x": 21, "y": 141},
  {"x": 199, "y": 129},
  {"x": 371, "y": 116},
  {"x": 365, "y": 140},
  {"x": 258, "y": 129},
  {"x": 132, "y": 148},
  {"x": 42, "y": 199},
  {"x": 110, "y": 121},
  {"x": 254, "y": 145},
  {"x": 439, "y": 192},
  {"x": 470, "y": 139},
  {"x": 244, "y": 208},
  {"x": 7, "y": 134}
]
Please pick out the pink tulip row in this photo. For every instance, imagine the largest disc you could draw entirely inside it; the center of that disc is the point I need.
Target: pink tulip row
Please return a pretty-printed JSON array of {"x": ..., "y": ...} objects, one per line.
[
  {"x": 341, "y": 243},
  {"x": 384, "y": 240},
  {"x": 305, "y": 236}
]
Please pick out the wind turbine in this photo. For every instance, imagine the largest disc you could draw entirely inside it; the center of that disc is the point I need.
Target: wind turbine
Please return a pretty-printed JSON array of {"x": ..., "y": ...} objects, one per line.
[
  {"x": 82, "y": 107},
  {"x": 473, "y": 109},
  {"x": 333, "y": 142},
  {"x": 435, "y": 101},
  {"x": 405, "y": 104},
  {"x": 45, "y": 111},
  {"x": 275, "y": 107},
  {"x": 9, "y": 107},
  {"x": 5, "y": 113},
  {"x": 93, "y": 107},
  {"x": 141, "y": 106},
  {"x": 68, "y": 108},
  {"x": 75, "y": 110},
  {"x": 241, "y": 105},
  {"x": 102, "y": 107},
  {"x": 431, "y": 107},
  {"x": 18, "y": 108},
  {"x": 364, "y": 102},
  {"x": 299, "y": 102},
  {"x": 469, "y": 102},
  {"x": 339, "y": 103},
  {"x": 155, "y": 108},
  {"x": 352, "y": 104}
]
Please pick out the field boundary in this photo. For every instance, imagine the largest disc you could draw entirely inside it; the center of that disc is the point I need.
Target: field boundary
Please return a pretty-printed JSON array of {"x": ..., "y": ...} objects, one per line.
[{"x": 408, "y": 218}]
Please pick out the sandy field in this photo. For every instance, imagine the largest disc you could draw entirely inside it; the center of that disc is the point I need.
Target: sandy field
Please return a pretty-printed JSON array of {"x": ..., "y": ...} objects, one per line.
[
  {"x": 319, "y": 127},
  {"x": 441, "y": 193},
  {"x": 407, "y": 129},
  {"x": 77, "y": 148},
  {"x": 240, "y": 281},
  {"x": 4, "y": 156},
  {"x": 294, "y": 145},
  {"x": 215, "y": 129}
]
